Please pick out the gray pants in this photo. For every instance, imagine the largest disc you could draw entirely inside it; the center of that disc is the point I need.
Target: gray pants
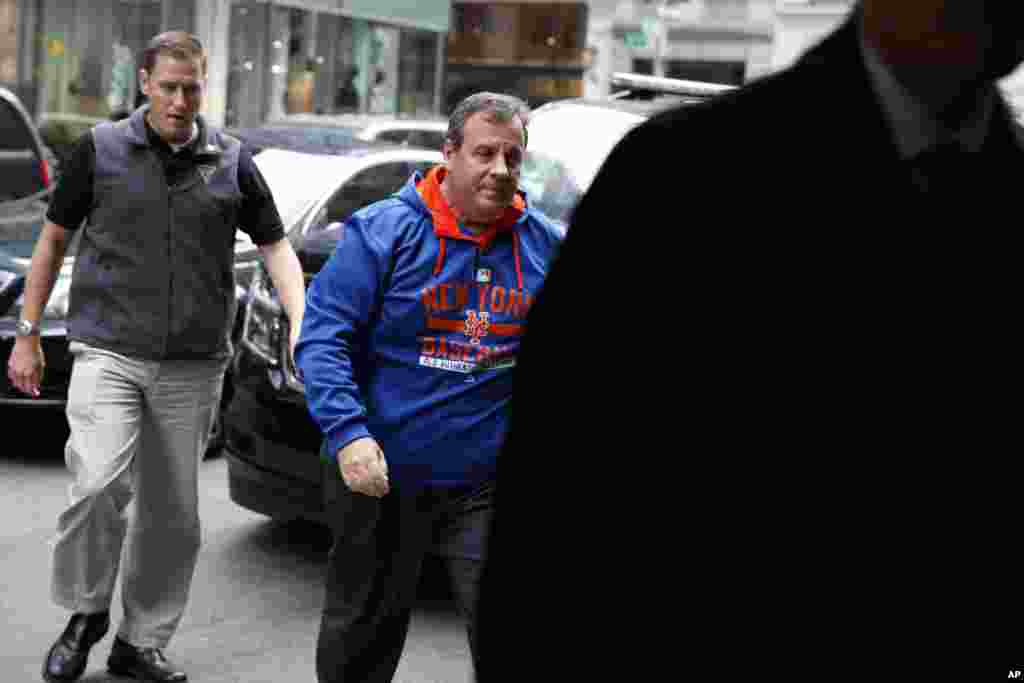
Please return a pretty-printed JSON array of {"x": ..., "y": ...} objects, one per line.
[{"x": 138, "y": 431}]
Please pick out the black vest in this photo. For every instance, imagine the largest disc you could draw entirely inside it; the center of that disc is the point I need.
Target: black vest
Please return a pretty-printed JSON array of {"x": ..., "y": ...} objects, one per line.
[{"x": 154, "y": 273}]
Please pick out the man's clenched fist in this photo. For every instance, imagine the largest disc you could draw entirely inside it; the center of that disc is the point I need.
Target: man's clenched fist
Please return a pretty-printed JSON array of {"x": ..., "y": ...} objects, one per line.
[{"x": 364, "y": 468}]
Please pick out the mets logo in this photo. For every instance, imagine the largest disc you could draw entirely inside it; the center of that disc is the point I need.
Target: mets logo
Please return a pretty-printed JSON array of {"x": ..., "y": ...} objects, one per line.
[{"x": 476, "y": 326}]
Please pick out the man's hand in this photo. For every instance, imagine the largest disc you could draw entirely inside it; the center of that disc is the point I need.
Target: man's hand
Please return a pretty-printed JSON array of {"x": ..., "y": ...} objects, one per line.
[
  {"x": 26, "y": 365},
  {"x": 364, "y": 468}
]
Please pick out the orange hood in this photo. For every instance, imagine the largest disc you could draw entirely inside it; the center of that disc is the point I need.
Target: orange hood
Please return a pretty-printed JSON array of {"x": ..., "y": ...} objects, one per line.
[{"x": 446, "y": 220}]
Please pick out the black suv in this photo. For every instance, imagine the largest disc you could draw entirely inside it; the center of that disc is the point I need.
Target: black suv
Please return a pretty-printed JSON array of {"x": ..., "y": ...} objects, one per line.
[{"x": 23, "y": 159}]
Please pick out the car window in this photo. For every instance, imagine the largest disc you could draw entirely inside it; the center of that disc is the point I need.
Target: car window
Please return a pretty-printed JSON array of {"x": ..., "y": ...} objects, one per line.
[
  {"x": 579, "y": 137},
  {"x": 297, "y": 137},
  {"x": 567, "y": 147},
  {"x": 20, "y": 165},
  {"x": 14, "y": 131},
  {"x": 400, "y": 137},
  {"x": 428, "y": 139},
  {"x": 330, "y": 137},
  {"x": 549, "y": 185},
  {"x": 364, "y": 188},
  {"x": 298, "y": 181}
]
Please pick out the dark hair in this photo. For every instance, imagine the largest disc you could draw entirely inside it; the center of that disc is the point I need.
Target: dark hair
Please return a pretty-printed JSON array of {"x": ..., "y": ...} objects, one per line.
[
  {"x": 176, "y": 44},
  {"x": 498, "y": 106}
]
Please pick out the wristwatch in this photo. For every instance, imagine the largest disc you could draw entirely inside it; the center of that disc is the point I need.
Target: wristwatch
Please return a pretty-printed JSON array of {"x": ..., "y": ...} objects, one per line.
[{"x": 26, "y": 328}]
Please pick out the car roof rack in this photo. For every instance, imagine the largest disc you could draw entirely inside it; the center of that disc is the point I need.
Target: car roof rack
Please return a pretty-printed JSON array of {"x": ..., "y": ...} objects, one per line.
[{"x": 640, "y": 84}]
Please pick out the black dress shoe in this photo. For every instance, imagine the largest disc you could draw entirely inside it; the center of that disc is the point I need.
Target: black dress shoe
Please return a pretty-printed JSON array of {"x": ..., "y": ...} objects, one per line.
[
  {"x": 143, "y": 663},
  {"x": 67, "y": 657}
]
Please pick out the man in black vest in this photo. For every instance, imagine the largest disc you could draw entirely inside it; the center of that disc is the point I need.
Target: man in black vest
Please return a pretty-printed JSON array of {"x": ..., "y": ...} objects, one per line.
[
  {"x": 157, "y": 198},
  {"x": 765, "y": 449}
]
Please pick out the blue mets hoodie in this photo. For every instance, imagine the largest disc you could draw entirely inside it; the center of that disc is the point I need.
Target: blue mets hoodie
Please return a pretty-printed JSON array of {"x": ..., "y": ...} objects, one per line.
[{"x": 411, "y": 331}]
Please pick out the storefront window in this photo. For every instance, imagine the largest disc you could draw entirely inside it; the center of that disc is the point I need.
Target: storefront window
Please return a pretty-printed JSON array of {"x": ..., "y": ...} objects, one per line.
[
  {"x": 180, "y": 16},
  {"x": 8, "y": 41},
  {"x": 518, "y": 33},
  {"x": 291, "y": 75},
  {"x": 285, "y": 60},
  {"x": 248, "y": 64},
  {"x": 384, "y": 67},
  {"x": 280, "y": 37},
  {"x": 135, "y": 23},
  {"x": 371, "y": 68},
  {"x": 90, "y": 51},
  {"x": 417, "y": 72},
  {"x": 302, "y": 65},
  {"x": 336, "y": 70}
]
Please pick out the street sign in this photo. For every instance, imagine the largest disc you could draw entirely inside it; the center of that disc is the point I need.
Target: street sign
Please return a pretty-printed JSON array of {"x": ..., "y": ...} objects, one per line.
[
  {"x": 650, "y": 27},
  {"x": 634, "y": 39},
  {"x": 55, "y": 46}
]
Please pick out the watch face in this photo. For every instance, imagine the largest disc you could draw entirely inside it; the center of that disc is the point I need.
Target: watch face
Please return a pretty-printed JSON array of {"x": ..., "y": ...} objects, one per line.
[{"x": 25, "y": 328}]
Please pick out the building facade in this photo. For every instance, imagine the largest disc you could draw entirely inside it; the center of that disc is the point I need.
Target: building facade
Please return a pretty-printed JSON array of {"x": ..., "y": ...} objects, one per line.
[
  {"x": 799, "y": 24},
  {"x": 535, "y": 50},
  {"x": 369, "y": 57},
  {"x": 721, "y": 41},
  {"x": 77, "y": 59},
  {"x": 17, "y": 40}
]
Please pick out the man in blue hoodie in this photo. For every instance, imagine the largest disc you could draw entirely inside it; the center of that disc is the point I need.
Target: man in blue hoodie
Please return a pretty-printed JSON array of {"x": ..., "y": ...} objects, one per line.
[{"x": 409, "y": 335}]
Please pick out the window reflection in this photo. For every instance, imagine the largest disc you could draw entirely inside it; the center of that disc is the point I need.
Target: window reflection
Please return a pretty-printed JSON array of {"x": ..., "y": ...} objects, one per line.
[
  {"x": 87, "y": 56},
  {"x": 89, "y": 52},
  {"x": 286, "y": 61},
  {"x": 368, "y": 186},
  {"x": 417, "y": 72},
  {"x": 301, "y": 65},
  {"x": 549, "y": 185},
  {"x": 246, "y": 64},
  {"x": 337, "y": 87}
]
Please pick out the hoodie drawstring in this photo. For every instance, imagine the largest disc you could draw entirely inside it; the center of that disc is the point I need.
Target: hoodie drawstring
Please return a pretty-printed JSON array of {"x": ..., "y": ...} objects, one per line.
[
  {"x": 440, "y": 258},
  {"x": 519, "y": 266}
]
